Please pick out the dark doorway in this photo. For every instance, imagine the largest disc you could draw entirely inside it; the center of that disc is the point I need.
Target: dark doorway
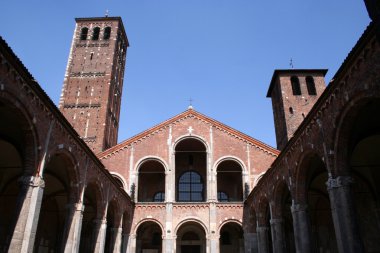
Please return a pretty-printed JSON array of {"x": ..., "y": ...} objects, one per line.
[{"x": 190, "y": 249}]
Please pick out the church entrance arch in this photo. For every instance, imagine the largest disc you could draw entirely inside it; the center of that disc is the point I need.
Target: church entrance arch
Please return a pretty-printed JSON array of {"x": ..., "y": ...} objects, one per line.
[
  {"x": 191, "y": 170},
  {"x": 191, "y": 238},
  {"x": 149, "y": 238}
]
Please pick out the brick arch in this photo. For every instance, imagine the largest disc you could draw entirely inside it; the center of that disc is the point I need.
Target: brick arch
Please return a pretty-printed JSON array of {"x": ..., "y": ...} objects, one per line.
[
  {"x": 263, "y": 208},
  {"x": 230, "y": 158},
  {"x": 193, "y": 136},
  {"x": 28, "y": 149},
  {"x": 119, "y": 177},
  {"x": 72, "y": 170},
  {"x": 189, "y": 220},
  {"x": 145, "y": 159},
  {"x": 345, "y": 123},
  {"x": 302, "y": 174},
  {"x": 99, "y": 196},
  {"x": 278, "y": 196},
  {"x": 235, "y": 221},
  {"x": 141, "y": 222}
]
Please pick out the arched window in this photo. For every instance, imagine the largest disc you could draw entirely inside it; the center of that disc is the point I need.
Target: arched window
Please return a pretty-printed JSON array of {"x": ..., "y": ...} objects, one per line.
[
  {"x": 295, "y": 85},
  {"x": 95, "y": 33},
  {"x": 222, "y": 197},
  {"x": 311, "y": 86},
  {"x": 83, "y": 33},
  {"x": 190, "y": 187},
  {"x": 107, "y": 33},
  {"x": 159, "y": 197}
]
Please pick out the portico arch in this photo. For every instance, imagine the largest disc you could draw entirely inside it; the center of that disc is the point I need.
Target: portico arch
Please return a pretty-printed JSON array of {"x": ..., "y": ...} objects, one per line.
[
  {"x": 231, "y": 237},
  {"x": 191, "y": 237},
  {"x": 149, "y": 236}
]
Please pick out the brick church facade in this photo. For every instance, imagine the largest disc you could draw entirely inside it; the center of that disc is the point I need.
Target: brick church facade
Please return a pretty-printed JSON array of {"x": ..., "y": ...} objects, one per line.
[{"x": 190, "y": 183}]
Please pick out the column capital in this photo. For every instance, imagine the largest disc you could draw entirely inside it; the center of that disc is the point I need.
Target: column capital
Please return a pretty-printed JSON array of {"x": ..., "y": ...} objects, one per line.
[
  {"x": 338, "y": 182},
  {"x": 262, "y": 229},
  {"x": 298, "y": 207},
  {"x": 32, "y": 181},
  {"x": 276, "y": 221}
]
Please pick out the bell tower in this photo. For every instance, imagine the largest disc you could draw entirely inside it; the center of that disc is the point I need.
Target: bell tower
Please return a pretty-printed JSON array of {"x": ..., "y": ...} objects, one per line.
[
  {"x": 93, "y": 83},
  {"x": 293, "y": 93}
]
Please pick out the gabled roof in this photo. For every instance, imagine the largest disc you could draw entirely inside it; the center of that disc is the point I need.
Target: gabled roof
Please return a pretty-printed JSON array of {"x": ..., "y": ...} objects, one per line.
[{"x": 188, "y": 113}]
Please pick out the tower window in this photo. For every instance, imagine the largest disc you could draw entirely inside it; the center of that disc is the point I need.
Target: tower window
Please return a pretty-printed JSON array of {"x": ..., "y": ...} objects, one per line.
[
  {"x": 295, "y": 85},
  {"x": 95, "y": 33},
  {"x": 83, "y": 33},
  {"x": 107, "y": 33},
  {"x": 291, "y": 110},
  {"x": 311, "y": 86}
]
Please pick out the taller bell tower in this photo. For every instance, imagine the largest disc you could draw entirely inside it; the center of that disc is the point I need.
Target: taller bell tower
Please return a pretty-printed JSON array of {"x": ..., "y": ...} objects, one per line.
[{"x": 93, "y": 83}]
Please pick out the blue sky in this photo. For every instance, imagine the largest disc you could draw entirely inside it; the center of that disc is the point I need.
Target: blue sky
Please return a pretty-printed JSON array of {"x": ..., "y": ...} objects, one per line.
[{"x": 220, "y": 53}]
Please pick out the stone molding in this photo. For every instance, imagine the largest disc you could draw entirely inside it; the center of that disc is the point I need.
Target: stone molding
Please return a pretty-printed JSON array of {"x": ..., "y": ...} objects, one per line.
[{"x": 339, "y": 182}]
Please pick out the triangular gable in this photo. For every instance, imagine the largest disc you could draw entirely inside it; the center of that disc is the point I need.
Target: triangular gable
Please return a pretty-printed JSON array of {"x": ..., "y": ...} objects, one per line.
[{"x": 183, "y": 115}]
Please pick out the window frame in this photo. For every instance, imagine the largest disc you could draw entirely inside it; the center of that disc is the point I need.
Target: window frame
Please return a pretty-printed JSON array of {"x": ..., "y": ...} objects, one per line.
[{"x": 191, "y": 186}]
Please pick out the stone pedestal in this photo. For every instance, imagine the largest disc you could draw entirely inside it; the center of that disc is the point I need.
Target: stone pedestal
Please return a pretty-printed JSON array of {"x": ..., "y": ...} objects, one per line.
[
  {"x": 132, "y": 243},
  {"x": 302, "y": 228},
  {"x": 263, "y": 240},
  {"x": 250, "y": 243},
  {"x": 342, "y": 208},
  {"x": 28, "y": 207},
  {"x": 278, "y": 237},
  {"x": 73, "y": 228}
]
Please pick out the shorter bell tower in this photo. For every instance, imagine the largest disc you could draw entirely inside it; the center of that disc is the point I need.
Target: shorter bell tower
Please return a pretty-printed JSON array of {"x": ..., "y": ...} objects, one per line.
[
  {"x": 93, "y": 84},
  {"x": 293, "y": 93}
]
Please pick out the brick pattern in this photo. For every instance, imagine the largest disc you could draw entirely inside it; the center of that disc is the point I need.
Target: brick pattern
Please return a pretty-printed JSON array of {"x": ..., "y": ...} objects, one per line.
[{"x": 92, "y": 89}]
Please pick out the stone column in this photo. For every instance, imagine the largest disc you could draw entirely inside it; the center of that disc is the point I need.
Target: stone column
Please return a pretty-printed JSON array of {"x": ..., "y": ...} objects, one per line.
[
  {"x": 301, "y": 227},
  {"x": 73, "y": 227},
  {"x": 124, "y": 245},
  {"x": 278, "y": 237},
  {"x": 168, "y": 245},
  {"x": 263, "y": 240},
  {"x": 214, "y": 245},
  {"x": 343, "y": 213},
  {"x": 101, "y": 226},
  {"x": 117, "y": 234},
  {"x": 250, "y": 243},
  {"x": 28, "y": 208}
]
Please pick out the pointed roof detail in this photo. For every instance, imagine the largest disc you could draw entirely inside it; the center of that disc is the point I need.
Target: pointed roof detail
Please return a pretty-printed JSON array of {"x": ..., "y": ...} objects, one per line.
[{"x": 189, "y": 113}]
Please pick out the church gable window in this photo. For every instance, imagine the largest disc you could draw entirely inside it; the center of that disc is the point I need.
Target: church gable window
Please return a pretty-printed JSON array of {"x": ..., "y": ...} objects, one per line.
[
  {"x": 190, "y": 169},
  {"x": 151, "y": 182},
  {"x": 229, "y": 181}
]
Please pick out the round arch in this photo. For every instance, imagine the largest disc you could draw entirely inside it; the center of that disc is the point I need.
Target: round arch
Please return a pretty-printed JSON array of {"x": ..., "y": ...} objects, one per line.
[
  {"x": 230, "y": 158},
  {"x": 148, "y": 158},
  {"x": 191, "y": 219},
  {"x": 149, "y": 235},
  {"x": 193, "y": 136},
  {"x": 191, "y": 236},
  {"x": 235, "y": 221},
  {"x": 119, "y": 177},
  {"x": 231, "y": 237},
  {"x": 141, "y": 222},
  {"x": 151, "y": 175}
]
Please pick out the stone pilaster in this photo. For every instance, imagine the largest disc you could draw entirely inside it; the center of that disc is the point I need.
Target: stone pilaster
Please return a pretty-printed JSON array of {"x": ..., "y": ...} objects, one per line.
[
  {"x": 345, "y": 221},
  {"x": 28, "y": 207},
  {"x": 250, "y": 243},
  {"x": 278, "y": 237},
  {"x": 101, "y": 226},
  {"x": 73, "y": 228},
  {"x": 302, "y": 229},
  {"x": 263, "y": 240},
  {"x": 132, "y": 243}
]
